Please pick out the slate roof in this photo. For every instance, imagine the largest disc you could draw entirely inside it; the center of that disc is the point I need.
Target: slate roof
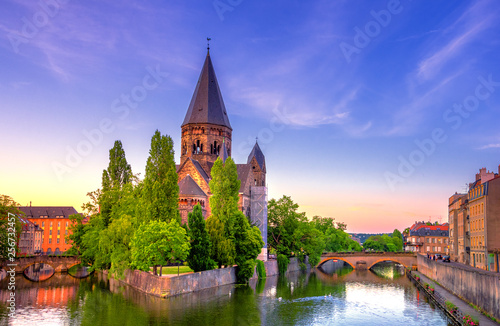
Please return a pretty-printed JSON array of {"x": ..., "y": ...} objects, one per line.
[
  {"x": 434, "y": 231},
  {"x": 259, "y": 156},
  {"x": 189, "y": 187},
  {"x": 50, "y": 211},
  {"x": 243, "y": 171},
  {"x": 207, "y": 105},
  {"x": 223, "y": 153}
]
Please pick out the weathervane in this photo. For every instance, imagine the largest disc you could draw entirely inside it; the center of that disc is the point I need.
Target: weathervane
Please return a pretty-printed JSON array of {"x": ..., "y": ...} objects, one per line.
[{"x": 208, "y": 43}]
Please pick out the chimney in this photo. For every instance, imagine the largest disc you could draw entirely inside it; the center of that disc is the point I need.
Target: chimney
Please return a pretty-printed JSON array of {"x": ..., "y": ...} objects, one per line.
[{"x": 30, "y": 203}]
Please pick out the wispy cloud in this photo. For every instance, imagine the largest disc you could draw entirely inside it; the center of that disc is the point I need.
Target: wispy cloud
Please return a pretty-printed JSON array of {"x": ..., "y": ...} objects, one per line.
[
  {"x": 475, "y": 19},
  {"x": 489, "y": 146}
]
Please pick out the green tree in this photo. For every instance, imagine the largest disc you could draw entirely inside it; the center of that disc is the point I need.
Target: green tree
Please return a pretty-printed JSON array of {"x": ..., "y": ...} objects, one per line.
[
  {"x": 224, "y": 205},
  {"x": 159, "y": 243},
  {"x": 397, "y": 240},
  {"x": 199, "y": 255},
  {"x": 114, "y": 177},
  {"x": 75, "y": 236},
  {"x": 222, "y": 251},
  {"x": 248, "y": 245},
  {"x": 283, "y": 220},
  {"x": 383, "y": 243},
  {"x": 114, "y": 244},
  {"x": 225, "y": 189},
  {"x": 160, "y": 193},
  {"x": 311, "y": 242},
  {"x": 8, "y": 205}
]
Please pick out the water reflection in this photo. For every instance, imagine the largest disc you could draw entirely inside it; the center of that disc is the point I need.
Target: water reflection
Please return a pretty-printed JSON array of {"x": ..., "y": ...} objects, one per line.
[
  {"x": 38, "y": 272},
  {"x": 332, "y": 295},
  {"x": 389, "y": 270},
  {"x": 79, "y": 271}
]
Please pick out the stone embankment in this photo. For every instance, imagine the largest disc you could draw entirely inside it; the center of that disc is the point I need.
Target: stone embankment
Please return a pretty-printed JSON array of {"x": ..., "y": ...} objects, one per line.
[
  {"x": 186, "y": 283},
  {"x": 481, "y": 288}
]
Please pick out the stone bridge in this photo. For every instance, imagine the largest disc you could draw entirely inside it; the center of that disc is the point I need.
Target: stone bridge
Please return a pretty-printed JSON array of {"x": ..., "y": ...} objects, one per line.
[
  {"x": 58, "y": 263},
  {"x": 366, "y": 260}
]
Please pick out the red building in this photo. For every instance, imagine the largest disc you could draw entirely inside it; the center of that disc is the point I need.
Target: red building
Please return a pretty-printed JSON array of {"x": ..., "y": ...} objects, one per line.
[{"x": 55, "y": 223}]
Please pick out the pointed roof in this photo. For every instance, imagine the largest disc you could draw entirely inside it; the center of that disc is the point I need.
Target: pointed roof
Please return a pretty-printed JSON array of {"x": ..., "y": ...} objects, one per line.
[
  {"x": 207, "y": 105},
  {"x": 259, "y": 156},
  {"x": 189, "y": 187},
  {"x": 223, "y": 153}
]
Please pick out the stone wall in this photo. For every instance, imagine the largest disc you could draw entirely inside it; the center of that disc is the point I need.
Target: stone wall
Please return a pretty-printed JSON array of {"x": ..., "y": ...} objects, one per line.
[
  {"x": 186, "y": 283},
  {"x": 482, "y": 288}
]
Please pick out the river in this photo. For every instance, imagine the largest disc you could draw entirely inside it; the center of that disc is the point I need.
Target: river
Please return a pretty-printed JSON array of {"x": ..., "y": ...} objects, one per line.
[{"x": 330, "y": 296}]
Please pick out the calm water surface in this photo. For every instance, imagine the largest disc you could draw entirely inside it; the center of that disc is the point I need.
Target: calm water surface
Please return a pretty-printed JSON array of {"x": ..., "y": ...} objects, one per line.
[{"x": 332, "y": 296}]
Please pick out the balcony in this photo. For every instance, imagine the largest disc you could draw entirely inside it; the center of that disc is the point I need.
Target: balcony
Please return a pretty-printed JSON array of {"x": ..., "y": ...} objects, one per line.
[{"x": 467, "y": 249}]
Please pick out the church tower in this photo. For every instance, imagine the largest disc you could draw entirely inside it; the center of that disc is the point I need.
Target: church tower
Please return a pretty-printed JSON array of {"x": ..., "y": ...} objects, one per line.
[
  {"x": 206, "y": 129},
  {"x": 206, "y": 136}
]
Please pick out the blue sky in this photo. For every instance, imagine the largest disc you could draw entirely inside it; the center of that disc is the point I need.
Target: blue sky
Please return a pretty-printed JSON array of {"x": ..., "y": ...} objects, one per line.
[{"x": 372, "y": 112}]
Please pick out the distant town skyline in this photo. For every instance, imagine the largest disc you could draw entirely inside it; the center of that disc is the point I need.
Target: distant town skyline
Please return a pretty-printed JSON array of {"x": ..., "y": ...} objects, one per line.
[{"x": 373, "y": 113}]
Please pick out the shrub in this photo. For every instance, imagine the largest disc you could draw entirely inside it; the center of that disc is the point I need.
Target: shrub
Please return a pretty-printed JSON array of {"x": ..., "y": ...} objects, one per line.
[
  {"x": 283, "y": 262},
  {"x": 451, "y": 307},
  {"x": 261, "y": 269},
  {"x": 469, "y": 320}
]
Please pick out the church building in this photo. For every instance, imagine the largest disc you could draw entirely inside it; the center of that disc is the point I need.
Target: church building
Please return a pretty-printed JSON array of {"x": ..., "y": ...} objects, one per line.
[{"x": 207, "y": 135}]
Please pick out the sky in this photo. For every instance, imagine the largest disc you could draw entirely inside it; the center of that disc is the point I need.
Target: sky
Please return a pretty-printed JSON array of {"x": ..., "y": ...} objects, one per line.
[{"x": 370, "y": 112}]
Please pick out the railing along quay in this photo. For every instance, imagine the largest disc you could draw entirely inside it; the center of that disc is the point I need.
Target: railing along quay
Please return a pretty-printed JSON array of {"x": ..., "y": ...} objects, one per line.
[{"x": 457, "y": 316}]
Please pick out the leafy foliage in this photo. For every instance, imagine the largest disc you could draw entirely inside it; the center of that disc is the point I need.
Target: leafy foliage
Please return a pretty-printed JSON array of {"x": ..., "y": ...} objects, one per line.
[
  {"x": 199, "y": 255},
  {"x": 290, "y": 233},
  {"x": 234, "y": 241},
  {"x": 124, "y": 205},
  {"x": 160, "y": 193},
  {"x": 283, "y": 221},
  {"x": 114, "y": 177},
  {"x": 159, "y": 243},
  {"x": 283, "y": 262},
  {"x": 8, "y": 205},
  {"x": 385, "y": 242},
  {"x": 261, "y": 270}
]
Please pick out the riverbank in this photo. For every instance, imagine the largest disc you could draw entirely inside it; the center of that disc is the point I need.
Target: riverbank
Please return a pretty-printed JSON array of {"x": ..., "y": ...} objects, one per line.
[
  {"x": 442, "y": 295},
  {"x": 479, "y": 287},
  {"x": 192, "y": 282}
]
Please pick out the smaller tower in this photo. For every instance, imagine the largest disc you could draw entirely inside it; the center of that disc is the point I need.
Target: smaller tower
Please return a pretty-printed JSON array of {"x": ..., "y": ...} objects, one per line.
[{"x": 258, "y": 162}]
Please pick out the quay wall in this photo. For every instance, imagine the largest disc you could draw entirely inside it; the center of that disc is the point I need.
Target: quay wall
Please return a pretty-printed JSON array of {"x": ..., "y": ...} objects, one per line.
[
  {"x": 482, "y": 288},
  {"x": 186, "y": 283}
]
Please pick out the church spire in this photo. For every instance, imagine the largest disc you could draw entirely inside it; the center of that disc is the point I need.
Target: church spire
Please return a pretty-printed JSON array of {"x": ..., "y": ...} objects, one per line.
[
  {"x": 207, "y": 105},
  {"x": 259, "y": 156}
]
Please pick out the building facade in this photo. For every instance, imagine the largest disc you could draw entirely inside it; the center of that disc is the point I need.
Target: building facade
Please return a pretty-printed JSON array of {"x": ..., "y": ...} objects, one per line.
[
  {"x": 478, "y": 222},
  {"x": 30, "y": 239},
  {"x": 484, "y": 214},
  {"x": 206, "y": 134},
  {"x": 455, "y": 222},
  {"x": 55, "y": 223},
  {"x": 428, "y": 239}
]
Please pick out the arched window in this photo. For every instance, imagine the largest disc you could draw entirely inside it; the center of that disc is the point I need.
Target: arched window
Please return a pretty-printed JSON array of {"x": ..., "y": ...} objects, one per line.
[{"x": 211, "y": 148}]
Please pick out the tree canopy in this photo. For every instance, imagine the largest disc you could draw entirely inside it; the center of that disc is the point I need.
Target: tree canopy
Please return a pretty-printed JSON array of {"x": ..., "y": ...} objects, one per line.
[
  {"x": 199, "y": 255},
  {"x": 159, "y": 243},
  {"x": 8, "y": 205}
]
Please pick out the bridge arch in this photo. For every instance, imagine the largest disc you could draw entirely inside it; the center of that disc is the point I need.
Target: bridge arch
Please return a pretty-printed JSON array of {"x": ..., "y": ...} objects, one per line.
[
  {"x": 391, "y": 259},
  {"x": 336, "y": 258}
]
